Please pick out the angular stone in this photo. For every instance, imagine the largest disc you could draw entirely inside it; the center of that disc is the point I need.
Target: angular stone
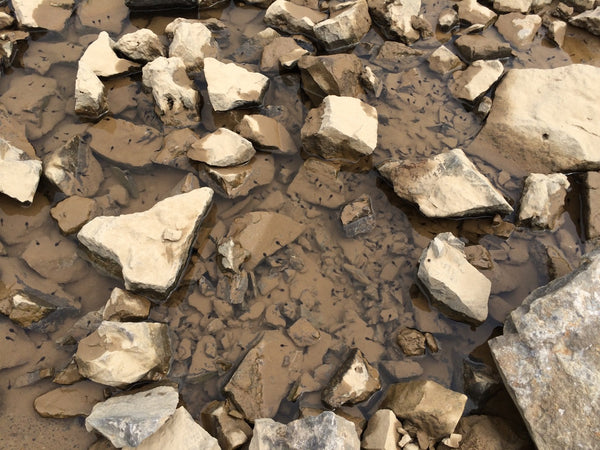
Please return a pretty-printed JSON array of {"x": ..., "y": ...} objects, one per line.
[
  {"x": 123, "y": 306},
  {"x": 128, "y": 420},
  {"x": 120, "y": 353},
  {"x": 448, "y": 19},
  {"x": 443, "y": 61},
  {"x": 507, "y": 6},
  {"x": 47, "y": 14},
  {"x": 303, "y": 333},
  {"x": 230, "y": 431},
  {"x": 12, "y": 129},
  {"x": 411, "y": 341},
  {"x": 357, "y": 217},
  {"x": 428, "y": 405},
  {"x": 160, "y": 4},
  {"x": 519, "y": 29},
  {"x": 292, "y": 18},
  {"x": 370, "y": 81},
  {"x": 477, "y": 46},
  {"x": 355, "y": 381},
  {"x": 19, "y": 173},
  {"x": 231, "y": 86},
  {"x": 17, "y": 347},
  {"x": 591, "y": 200},
  {"x": 71, "y": 401},
  {"x": 346, "y": 26},
  {"x": 90, "y": 95},
  {"x": 280, "y": 47},
  {"x": 103, "y": 61},
  {"x": 174, "y": 94},
  {"x": 318, "y": 182},
  {"x": 459, "y": 289},
  {"x": 556, "y": 30},
  {"x": 6, "y": 20},
  {"x": 222, "y": 148},
  {"x": 142, "y": 45},
  {"x": 447, "y": 185},
  {"x": 543, "y": 199},
  {"x": 589, "y": 20},
  {"x": 473, "y": 82},
  {"x": 150, "y": 248},
  {"x": 394, "y": 18},
  {"x": 267, "y": 134},
  {"x": 472, "y": 12},
  {"x": 341, "y": 128},
  {"x": 382, "y": 431},
  {"x": 73, "y": 212},
  {"x": 192, "y": 42},
  {"x": 25, "y": 308}
]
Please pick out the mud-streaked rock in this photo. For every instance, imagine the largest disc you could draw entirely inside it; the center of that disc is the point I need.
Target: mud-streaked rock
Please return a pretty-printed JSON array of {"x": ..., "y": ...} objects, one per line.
[
  {"x": 382, "y": 431},
  {"x": 489, "y": 433},
  {"x": 357, "y": 217},
  {"x": 345, "y": 27},
  {"x": 192, "y": 42},
  {"x": 73, "y": 212},
  {"x": 174, "y": 149},
  {"x": 123, "y": 306},
  {"x": 75, "y": 400},
  {"x": 303, "y": 333},
  {"x": 25, "y": 308},
  {"x": 267, "y": 134},
  {"x": 90, "y": 94},
  {"x": 141, "y": 45},
  {"x": 19, "y": 173},
  {"x": 543, "y": 199},
  {"x": 477, "y": 46},
  {"x": 222, "y": 148},
  {"x": 100, "y": 57},
  {"x": 475, "y": 80}
]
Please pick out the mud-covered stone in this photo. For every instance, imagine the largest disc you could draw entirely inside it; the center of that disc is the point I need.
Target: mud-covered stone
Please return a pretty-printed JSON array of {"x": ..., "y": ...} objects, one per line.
[
  {"x": 19, "y": 173},
  {"x": 303, "y": 333},
  {"x": 284, "y": 49},
  {"x": 477, "y": 46},
  {"x": 141, "y": 45},
  {"x": 55, "y": 257},
  {"x": 222, "y": 148},
  {"x": 411, "y": 341},
  {"x": 90, "y": 94},
  {"x": 73, "y": 212},
  {"x": 543, "y": 199},
  {"x": 46, "y": 14},
  {"x": 489, "y": 433},
  {"x": 267, "y": 134},
  {"x": 591, "y": 200}
]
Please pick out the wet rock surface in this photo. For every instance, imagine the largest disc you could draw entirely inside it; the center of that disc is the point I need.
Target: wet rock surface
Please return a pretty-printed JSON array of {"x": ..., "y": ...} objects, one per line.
[{"x": 20, "y": 174}]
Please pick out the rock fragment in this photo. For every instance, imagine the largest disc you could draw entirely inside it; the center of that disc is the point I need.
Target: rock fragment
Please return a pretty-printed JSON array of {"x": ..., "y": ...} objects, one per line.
[
  {"x": 19, "y": 173},
  {"x": 55, "y": 257},
  {"x": 267, "y": 134},
  {"x": 543, "y": 199},
  {"x": 411, "y": 341},
  {"x": 519, "y": 29},
  {"x": 192, "y": 42},
  {"x": 489, "y": 432},
  {"x": 123, "y": 306},
  {"x": 357, "y": 217},
  {"x": 477, "y": 46},
  {"x": 473, "y": 82},
  {"x": 174, "y": 149},
  {"x": 26, "y": 308},
  {"x": 443, "y": 61},
  {"x": 142, "y": 45},
  {"x": 507, "y": 6},
  {"x": 231, "y": 432},
  {"x": 75, "y": 400},
  {"x": 556, "y": 30},
  {"x": 448, "y": 19},
  {"x": 90, "y": 94},
  {"x": 382, "y": 431},
  {"x": 222, "y": 148},
  {"x": 303, "y": 333},
  {"x": 292, "y": 18},
  {"x": 589, "y": 20},
  {"x": 281, "y": 49},
  {"x": 395, "y": 18},
  {"x": 103, "y": 61},
  {"x": 73, "y": 212},
  {"x": 472, "y": 12},
  {"x": 345, "y": 27}
]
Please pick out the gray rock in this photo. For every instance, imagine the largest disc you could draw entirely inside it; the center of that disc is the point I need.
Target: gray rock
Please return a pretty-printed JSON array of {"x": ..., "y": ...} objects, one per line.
[
  {"x": 473, "y": 82},
  {"x": 19, "y": 173},
  {"x": 548, "y": 356},
  {"x": 443, "y": 61},
  {"x": 589, "y": 20},
  {"x": 192, "y": 42},
  {"x": 459, "y": 289},
  {"x": 477, "y": 46},
  {"x": 507, "y": 6},
  {"x": 472, "y": 12},
  {"x": 357, "y": 217},
  {"x": 230, "y": 431},
  {"x": 591, "y": 200},
  {"x": 90, "y": 94},
  {"x": 102, "y": 59},
  {"x": 267, "y": 134},
  {"x": 346, "y": 26},
  {"x": 447, "y": 185},
  {"x": 519, "y": 29},
  {"x": 543, "y": 199},
  {"x": 292, "y": 18},
  {"x": 129, "y": 419},
  {"x": 382, "y": 431},
  {"x": 330, "y": 188},
  {"x": 46, "y": 14},
  {"x": 222, "y": 148},
  {"x": 142, "y": 45},
  {"x": 149, "y": 248},
  {"x": 394, "y": 18},
  {"x": 123, "y": 306}
]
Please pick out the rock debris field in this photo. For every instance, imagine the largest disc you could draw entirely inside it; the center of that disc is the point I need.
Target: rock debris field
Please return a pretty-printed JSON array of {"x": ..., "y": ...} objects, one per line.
[{"x": 299, "y": 224}]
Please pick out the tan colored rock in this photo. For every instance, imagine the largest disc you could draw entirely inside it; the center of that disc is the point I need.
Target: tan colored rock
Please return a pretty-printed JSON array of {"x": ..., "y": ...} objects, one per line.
[
  {"x": 19, "y": 174},
  {"x": 303, "y": 333},
  {"x": 475, "y": 80},
  {"x": 25, "y": 308},
  {"x": 519, "y": 29},
  {"x": 174, "y": 149},
  {"x": 489, "y": 433},
  {"x": 357, "y": 217},
  {"x": 230, "y": 431},
  {"x": 411, "y": 341},
  {"x": 267, "y": 134},
  {"x": 73, "y": 212},
  {"x": 75, "y": 400},
  {"x": 90, "y": 94},
  {"x": 395, "y": 18},
  {"x": 55, "y": 257},
  {"x": 46, "y": 14},
  {"x": 591, "y": 200},
  {"x": 443, "y": 61},
  {"x": 222, "y": 148},
  {"x": 543, "y": 199},
  {"x": 102, "y": 60},
  {"x": 557, "y": 30},
  {"x": 192, "y": 42},
  {"x": 141, "y": 45},
  {"x": 345, "y": 27},
  {"x": 292, "y": 18},
  {"x": 477, "y": 46},
  {"x": 473, "y": 12},
  {"x": 382, "y": 431},
  {"x": 507, "y": 6},
  {"x": 590, "y": 20},
  {"x": 123, "y": 306},
  {"x": 280, "y": 47}
]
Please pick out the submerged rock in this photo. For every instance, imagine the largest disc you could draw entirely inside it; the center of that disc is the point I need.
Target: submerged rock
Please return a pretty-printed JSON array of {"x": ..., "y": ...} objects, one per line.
[
  {"x": 27, "y": 307},
  {"x": 489, "y": 433},
  {"x": 267, "y": 134},
  {"x": 174, "y": 149},
  {"x": 548, "y": 356},
  {"x": 318, "y": 182},
  {"x": 395, "y": 18},
  {"x": 192, "y": 42},
  {"x": 19, "y": 173},
  {"x": 102, "y": 59},
  {"x": 475, "y": 80},
  {"x": 90, "y": 94},
  {"x": 47, "y": 14},
  {"x": 55, "y": 257},
  {"x": 142, "y": 45},
  {"x": 71, "y": 401},
  {"x": 345, "y": 27},
  {"x": 238, "y": 181},
  {"x": 590, "y": 20},
  {"x": 357, "y": 217},
  {"x": 74, "y": 212},
  {"x": 150, "y": 248},
  {"x": 222, "y": 148},
  {"x": 477, "y": 46},
  {"x": 543, "y": 199}
]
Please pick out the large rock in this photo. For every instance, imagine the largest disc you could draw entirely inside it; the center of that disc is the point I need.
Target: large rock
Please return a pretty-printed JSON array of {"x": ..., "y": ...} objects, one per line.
[
  {"x": 535, "y": 130},
  {"x": 121, "y": 353},
  {"x": 102, "y": 59},
  {"x": 222, "y": 148},
  {"x": 447, "y": 185},
  {"x": 341, "y": 128},
  {"x": 174, "y": 94},
  {"x": 489, "y": 433},
  {"x": 192, "y": 42},
  {"x": 73, "y": 212},
  {"x": 543, "y": 199},
  {"x": 590, "y": 20},
  {"x": 548, "y": 359},
  {"x": 395, "y": 18},
  {"x": 475, "y": 80},
  {"x": 142, "y": 45},
  {"x": 129, "y": 419},
  {"x": 345, "y": 27},
  {"x": 428, "y": 405},
  {"x": 292, "y": 18},
  {"x": 267, "y": 134},
  {"x": 90, "y": 94},
  {"x": 474, "y": 13},
  {"x": 150, "y": 248},
  {"x": 47, "y": 14},
  {"x": 459, "y": 289},
  {"x": 19, "y": 173},
  {"x": 231, "y": 86}
]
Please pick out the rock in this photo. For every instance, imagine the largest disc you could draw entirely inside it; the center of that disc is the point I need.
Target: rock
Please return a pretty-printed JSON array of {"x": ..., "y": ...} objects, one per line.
[
  {"x": 357, "y": 217},
  {"x": 330, "y": 75},
  {"x": 411, "y": 341},
  {"x": 103, "y": 61},
  {"x": 324, "y": 176},
  {"x": 591, "y": 199},
  {"x": 519, "y": 29},
  {"x": 174, "y": 94},
  {"x": 160, "y": 4},
  {"x": 428, "y": 405},
  {"x": 563, "y": 11},
  {"x": 46, "y": 14},
  {"x": 41, "y": 56},
  {"x": 174, "y": 149},
  {"x": 73, "y": 212},
  {"x": 230, "y": 431},
  {"x": 397, "y": 57},
  {"x": 222, "y": 148},
  {"x": 489, "y": 432},
  {"x": 507, "y": 6},
  {"x": 341, "y": 128},
  {"x": 238, "y": 181},
  {"x": 480, "y": 380},
  {"x": 267, "y": 134},
  {"x": 405, "y": 369},
  {"x": 262, "y": 233},
  {"x": 448, "y": 20},
  {"x": 120, "y": 353},
  {"x": 447, "y": 185},
  {"x": 142, "y": 45},
  {"x": 303, "y": 333},
  {"x": 90, "y": 95},
  {"x": 460, "y": 291},
  {"x": 231, "y": 86},
  {"x": 370, "y": 81},
  {"x": 72, "y": 401},
  {"x": 19, "y": 173},
  {"x": 394, "y": 18},
  {"x": 422, "y": 25},
  {"x": 6, "y": 20},
  {"x": 382, "y": 431},
  {"x": 83, "y": 327},
  {"x": 232, "y": 287},
  {"x": 55, "y": 257},
  {"x": 477, "y": 46},
  {"x": 12, "y": 129},
  {"x": 473, "y": 82},
  {"x": 543, "y": 199},
  {"x": 25, "y": 308},
  {"x": 73, "y": 169},
  {"x": 128, "y": 420},
  {"x": 354, "y": 381},
  {"x": 589, "y": 20},
  {"x": 444, "y": 61},
  {"x": 346, "y": 26},
  {"x": 150, "y": 248},
  {"x": 231, "y": 256},
  {"x": 179, "y": 432},
  {"x": 251, "y": 50},
  {"x": 556, "y": 30},
  {"x": 192, "y": 42},
  {"x": 536, "y": 131},
  {"x": 547, "y": 356},
  {"x": 123, "y": 306},
  {"x": 281, "y": 47},
  {"x": 472, "y": 12},
  {"x": 292, "y": 18},
  {"x": 102, "y": 15}
]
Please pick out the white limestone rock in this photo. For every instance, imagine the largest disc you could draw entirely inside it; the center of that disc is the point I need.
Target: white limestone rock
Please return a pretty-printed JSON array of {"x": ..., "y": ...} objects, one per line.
[
  {"x": 474, "y": 13},
  {"x": 231, "y": 86},
  {"x": 345, "y": 27},
  {"x": 589, "y": 20},
  {"x": 192, "y": 42},
  {"x": 102, "y": 60},
  {"x": 395, "y": 18},
  {"x": 267, "y": 134},
  {"x": 142, "y": 45},
  {"x": 473, "y": 82},
  {"x": 150, "y": 248},
  {"x": 443, "y": 61},
  {"x": 90, "y": 94},
  {"x": 47, "y": 14},
  {"x": 519, "y": 29},
  {"x": 222, "y": 148},
  {"x": 19, "y": 173},
  {"x": 382, "y": 431},
  {"x": 459, "y": 289},
  {"x": 292, "y": 18},
  {"x": 174, "y": 94},
  {"x": 543, "y": 199}
]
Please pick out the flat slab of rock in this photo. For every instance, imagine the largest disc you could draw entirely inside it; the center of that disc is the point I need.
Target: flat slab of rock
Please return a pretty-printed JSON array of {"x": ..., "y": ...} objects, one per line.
[
  {"x": 141, "y": 45},
  {"x": 382, "y": 431},
  {"x": 589, "y": 20},
  {"x": 535, "y": 130},
  {"x": 543, "y": 199},
  {"x": 70, "y": 401},
  {"x": 55, "y": 257},
  {"x": 475, "y": 80},
  {"x": 222, "y": 148},
  {"x": 103, "y": 61},
  {"x": 73, "y": 212},
  {"x": 477, "y": 46},
  {"x": 129, "y": 419},
  {"x": 47, "y": 14},
  {"x": 447, "y": 185},
  {"x": 16, "y": 345},
  {"x": 150, "y": 248},
  {"x": 121, "y": 353},
  {"x": 267, "y": 134},
  {"x": 549, "y": 361},
  {"x": 192, "y": 42},
  {"x": 519, "y": 29},
  {"x": 19, "y": 173}
]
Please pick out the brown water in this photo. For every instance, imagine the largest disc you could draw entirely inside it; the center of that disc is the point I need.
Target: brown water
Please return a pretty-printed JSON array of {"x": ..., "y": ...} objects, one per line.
[{"x": 361, "y": 304}]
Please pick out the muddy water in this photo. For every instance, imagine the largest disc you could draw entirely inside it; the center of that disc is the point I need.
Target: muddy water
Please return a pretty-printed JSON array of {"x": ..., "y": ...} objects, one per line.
[{"x": 358, "y": 291}]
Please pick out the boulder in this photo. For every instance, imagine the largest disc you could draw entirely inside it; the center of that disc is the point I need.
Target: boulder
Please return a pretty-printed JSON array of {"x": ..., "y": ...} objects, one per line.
[
  {"x": 543, "y": 199},
  {"x": 121, "y": 353},
  {"x": 192, "y": 42},
  {"x": 222, "y": 148},
  {"x": 128, "y": 420},
  {"x": 231, "y": 432},
  {"x": 267, "y": 134},
  {"x": 149, "y": 248},
  {"x": 428, "y": 405},
  {"x": 535, "y": 130},
  {"x": 47, "y": 14},
  {"x": 318, "y": 182},
  {"x": 231, "y": 86},
  {"x": 589, "y": 20},
  {"x": 447, "y": 185},
  {"x": 19, "y": 173},
  {"x": 142, "y": 45},
  {"x": 382, "y": 431},
  {"x": 357, "y": 217},
  {"x": 472, "y": 83},
  {"x": 477, "y": 46},
  {"x": 100, "y": 57},
  {"x": 507, "y": 6},
  {"x": 443, "y": 61},
  {"x": 90, "y": 94},
  {"x": 549, "y": 361},
  {"x": 346, "y": 26},
  {"x": 519, "y": 29},
  {"x": 395, "y": 18},
  {"x": 123, "y": 306},
  {"x": 71, "y": 401},
  {"x": 341, "y": 128},
  {"x": 174, "y": 95},
  {"x": 591, "y": 200},
  {"x": 292, "y": 18},
  {"x": 459, "y": 289},
  {"x": 474, "y": 13}
]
